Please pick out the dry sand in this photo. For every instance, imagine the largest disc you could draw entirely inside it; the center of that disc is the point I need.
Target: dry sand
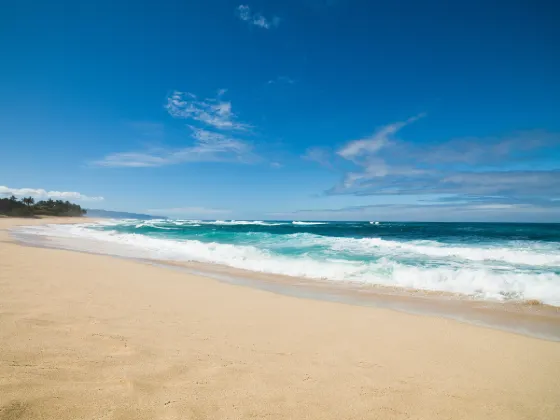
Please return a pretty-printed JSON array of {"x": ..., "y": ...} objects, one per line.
[{"x": 93, "y": 337}]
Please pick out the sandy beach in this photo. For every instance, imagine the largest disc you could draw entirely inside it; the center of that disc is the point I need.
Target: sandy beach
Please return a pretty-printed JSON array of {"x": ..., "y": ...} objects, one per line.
[{"x": 95, "y": 337}]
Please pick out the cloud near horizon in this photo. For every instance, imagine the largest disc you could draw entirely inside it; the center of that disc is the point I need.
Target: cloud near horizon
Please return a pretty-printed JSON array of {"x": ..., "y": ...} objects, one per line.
[
  {"x": 451, "y": 209},
  {"x": 494, "y": 166},
  {"x": 43, "y": 194},
  {"x": 244, "y": 13}
]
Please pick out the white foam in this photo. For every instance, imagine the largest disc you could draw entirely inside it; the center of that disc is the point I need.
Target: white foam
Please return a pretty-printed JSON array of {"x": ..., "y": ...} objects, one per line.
[
  {"x": 308, "y": 223},
  {"x": 157, "y": 223},
  {"x": 479, "y": 281},
  {"x": 224, "y": 223},
  {"x": 242, "y": 222},
  {"x": 152, "y": 223},
  {"x": 518, "y": 252},
  {"x": 523, "y": 254}
]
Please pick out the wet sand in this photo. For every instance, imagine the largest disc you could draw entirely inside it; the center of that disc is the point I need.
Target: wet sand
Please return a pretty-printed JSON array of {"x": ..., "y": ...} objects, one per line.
[{"x": 526, "y": 317}]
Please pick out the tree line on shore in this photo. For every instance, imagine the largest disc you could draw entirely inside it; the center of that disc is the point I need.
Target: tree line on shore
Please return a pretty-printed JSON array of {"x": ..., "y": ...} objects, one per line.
[{"x": 27, "y": 207}]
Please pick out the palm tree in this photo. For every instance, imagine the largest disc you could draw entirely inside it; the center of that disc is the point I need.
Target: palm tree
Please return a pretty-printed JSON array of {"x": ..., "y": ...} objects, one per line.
[
  {"x": 28, "y": 201},
  {"x": 13, "y": 199}
]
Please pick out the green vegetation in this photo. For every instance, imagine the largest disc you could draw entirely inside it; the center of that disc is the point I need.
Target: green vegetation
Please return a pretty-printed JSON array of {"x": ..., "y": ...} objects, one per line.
[{"x": 26, "y": 207}]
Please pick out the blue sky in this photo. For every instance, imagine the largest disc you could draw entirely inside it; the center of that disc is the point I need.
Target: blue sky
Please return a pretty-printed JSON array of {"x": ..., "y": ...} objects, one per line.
[{"x": 307, "y": 109}]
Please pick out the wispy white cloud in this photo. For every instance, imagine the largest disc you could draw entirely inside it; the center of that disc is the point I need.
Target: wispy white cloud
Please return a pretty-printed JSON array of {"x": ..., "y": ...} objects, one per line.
[
  {"x": 213, "y": 112},
  {"x": 210, "y": 120},
  {"x": 136, "y": 159},
  {"x": 208, "y": 146},
  {"x": 276, "y": 165},
  {"x": 40, "y": 193},
  {"x": 282, "y": 79},
  {"x": 318, "y": 154},
  {"x": 364, "y": 153},
  {"x": 245, "y": 14},
  {"x": 368, "y": 146},
  {"x": 520, "y": 145}
]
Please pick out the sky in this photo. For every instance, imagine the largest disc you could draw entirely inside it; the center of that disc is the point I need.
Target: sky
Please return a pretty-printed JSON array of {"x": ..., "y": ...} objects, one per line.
[{"x": 288, "y": 109}]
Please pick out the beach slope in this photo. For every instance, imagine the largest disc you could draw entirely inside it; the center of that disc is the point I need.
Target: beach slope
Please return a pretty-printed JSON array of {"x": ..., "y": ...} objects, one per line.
[{"x": 87, "y": 336}]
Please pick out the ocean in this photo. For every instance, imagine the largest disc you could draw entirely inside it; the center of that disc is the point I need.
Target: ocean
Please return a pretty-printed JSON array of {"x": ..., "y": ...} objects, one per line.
[{"x": 494, "y": 261}]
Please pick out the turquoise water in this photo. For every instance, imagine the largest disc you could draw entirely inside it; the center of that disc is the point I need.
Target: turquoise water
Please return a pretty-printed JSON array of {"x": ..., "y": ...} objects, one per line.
[{"x": 482, "y": 260}]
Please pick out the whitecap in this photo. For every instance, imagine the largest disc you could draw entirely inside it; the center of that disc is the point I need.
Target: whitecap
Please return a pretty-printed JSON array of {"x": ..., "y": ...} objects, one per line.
[{"x": 308, "y": 223}]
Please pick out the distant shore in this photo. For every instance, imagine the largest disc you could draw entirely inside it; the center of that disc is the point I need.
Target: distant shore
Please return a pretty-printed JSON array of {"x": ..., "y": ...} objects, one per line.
[{"x": 88, "y": 336}]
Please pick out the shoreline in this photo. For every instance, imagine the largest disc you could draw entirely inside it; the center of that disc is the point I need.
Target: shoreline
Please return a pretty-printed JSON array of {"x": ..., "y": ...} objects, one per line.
[
  {"x": 88, "y": 336},
  {"x": 519, "y": 317},
  {"x": 537, "y": 321}
]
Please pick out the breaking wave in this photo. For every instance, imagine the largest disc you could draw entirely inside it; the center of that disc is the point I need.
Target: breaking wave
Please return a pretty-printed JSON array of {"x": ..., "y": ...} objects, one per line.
[{"x": 508, "y": 269}]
